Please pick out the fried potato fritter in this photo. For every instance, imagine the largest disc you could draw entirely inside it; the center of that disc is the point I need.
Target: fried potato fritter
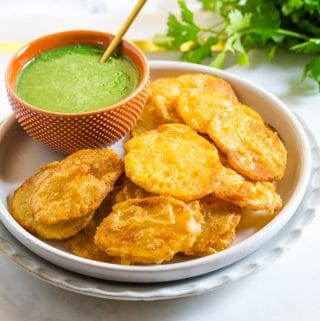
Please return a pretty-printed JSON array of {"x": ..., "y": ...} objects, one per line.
[
  {"x": 252, "y": 148},
  {"x": 76, "y": 187},
  {"x": 218, "y": 226},
  {"x": 249, "y": 112},
  {"x": 208, "y": 83},
  {"x": 149, "y": 230},
  {"x": 197, "y": 107},
  {"x": 129, "y": 190},
  {"x": 21, "y": 211},
  {"x": 234, "y": 188},
  {"x": 225, "y": 240},
  {"x": 173, "y": 161},
  {"x": 82, "y": 244},
  {"x": 148, "y": 120},
  {"x": 164, "y": 94}
]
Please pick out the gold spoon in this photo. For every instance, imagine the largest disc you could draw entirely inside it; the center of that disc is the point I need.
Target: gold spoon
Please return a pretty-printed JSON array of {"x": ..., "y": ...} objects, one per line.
[{"x": 116, "y": 40}]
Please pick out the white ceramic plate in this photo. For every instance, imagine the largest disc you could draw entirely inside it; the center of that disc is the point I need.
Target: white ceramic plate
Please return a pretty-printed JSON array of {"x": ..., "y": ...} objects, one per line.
[
  {"x": 20, "y": 157},
  {"x": 265, "y": 255}
]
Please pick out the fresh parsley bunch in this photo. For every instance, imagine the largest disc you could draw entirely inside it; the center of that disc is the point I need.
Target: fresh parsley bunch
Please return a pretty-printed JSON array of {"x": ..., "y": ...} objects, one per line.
[{"x": 290, "y": 24}]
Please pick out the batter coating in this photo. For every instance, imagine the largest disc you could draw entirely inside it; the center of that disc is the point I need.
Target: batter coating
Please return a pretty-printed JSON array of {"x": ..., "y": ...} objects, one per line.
[
  {"x": 197, "y": 107},
  {"x": 148, "y": 230},
  {"x": 233, "y": 187},
  {"x": 208, "y": 83},
  {"x": 82, "y": 244},
  {"x": 76, "y": 186},
  {"x": 252, "y": 148},
  {"x": 20, "y": 209},
  {"x": 218, "y": 226},
  {"x": 148, "y": 120},
  {"x": 173, "y": 161},
  {"x": 164, "y": 94}
]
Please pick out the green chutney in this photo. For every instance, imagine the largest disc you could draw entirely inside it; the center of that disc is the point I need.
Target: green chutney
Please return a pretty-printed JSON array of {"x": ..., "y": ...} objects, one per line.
[{"x": 71, "y": 79}]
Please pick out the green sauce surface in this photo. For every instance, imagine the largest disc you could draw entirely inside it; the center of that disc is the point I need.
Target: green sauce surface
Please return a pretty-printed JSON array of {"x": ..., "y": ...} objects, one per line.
[{"x": 71, "y": 79}]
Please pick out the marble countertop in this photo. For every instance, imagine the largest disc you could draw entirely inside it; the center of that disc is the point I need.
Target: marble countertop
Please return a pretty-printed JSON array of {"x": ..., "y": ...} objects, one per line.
[
  {"x": 287, "y": 290},
  {"x": 77, "y": 7}
]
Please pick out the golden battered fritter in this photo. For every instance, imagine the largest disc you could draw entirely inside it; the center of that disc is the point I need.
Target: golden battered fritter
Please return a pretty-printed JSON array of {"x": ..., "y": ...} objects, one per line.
[
  {"x": 197, "y": 107},
  {"x": 252, "y": 148},
  {"x": 76, "y": 186},
  {"x": 148, "y": 230},
  {"x": 148, "y": 120},
  {"x": 208, "y": 83},
  {"x": 129, "y": 190},
  {"x": 82, "y": 244},
  {"x": 21, "y": 211},
  {"x": 173, "y": 161},
  {"x": 164, "y": 94},
  {"x": 166, "y": 91},
  {"x": 234, "y": 188},
  {"x": 225, "y": 240},
  {"x": 218, "y": 226}
]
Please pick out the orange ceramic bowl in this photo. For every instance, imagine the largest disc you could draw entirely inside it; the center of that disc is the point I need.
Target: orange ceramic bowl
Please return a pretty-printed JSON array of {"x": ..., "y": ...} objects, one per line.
[{"x": 68, "y": 132}]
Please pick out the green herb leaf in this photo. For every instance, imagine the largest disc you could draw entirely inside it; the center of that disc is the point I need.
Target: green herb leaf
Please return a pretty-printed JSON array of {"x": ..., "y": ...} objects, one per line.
[
  {"x": 310, "y": 46},
  {"x": 180, "y": 32},
  {"x": 288, "y": 24},
  {"x": 200, "y": 52},
  {"x": 238, "y": 21},
  {"x": 218, "y": 61},
  {"x": 186, "y": 14},
  {"x": 243, "y": 59},
  {"x": 312, "y": 70},
  {"x": 163, "y": 41},
  {"x": 272, "y": 52}
]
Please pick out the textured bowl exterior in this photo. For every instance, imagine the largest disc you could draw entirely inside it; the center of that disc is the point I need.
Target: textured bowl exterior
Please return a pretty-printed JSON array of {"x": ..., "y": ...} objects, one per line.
[{"x": 68, "y": 132}]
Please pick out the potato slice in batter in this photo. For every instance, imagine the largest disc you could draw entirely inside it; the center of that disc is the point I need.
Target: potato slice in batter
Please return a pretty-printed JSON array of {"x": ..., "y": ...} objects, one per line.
[
  {"x": 21, "y": 211},
  {"x": 148, "y": 120},
  {"x": 218, "y": 226},
  {"x": 173, "y": 161},
  {"x": 166, "y": 91},
  {"x": 197, "y": 107},
  {"x": 164, "y": 94},
  {"x": 82, "y": 244},
  {"x": 252, "y": 148},
  {"x": 149, "y": 230},
  {"x": 234, "y": 188},
  {"x": 208, "y": 83},
  {"x": 225, "y": 240},
  {"x": 129, "y": 190},
  {"x": 76, "y": 186}
]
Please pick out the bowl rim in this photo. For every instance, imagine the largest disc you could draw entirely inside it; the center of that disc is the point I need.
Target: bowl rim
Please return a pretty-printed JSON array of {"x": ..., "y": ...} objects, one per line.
[
  {"x": 143, "y": 81},
  {"x": 263, "y": 235}
]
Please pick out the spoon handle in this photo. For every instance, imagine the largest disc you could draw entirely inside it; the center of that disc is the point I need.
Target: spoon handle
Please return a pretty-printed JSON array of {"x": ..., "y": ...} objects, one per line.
[{"x": 116, "y": 40}]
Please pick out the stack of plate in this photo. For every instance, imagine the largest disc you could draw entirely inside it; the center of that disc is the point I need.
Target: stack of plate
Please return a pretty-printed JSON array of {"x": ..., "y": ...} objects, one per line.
[{"x": 20, "y": 157}]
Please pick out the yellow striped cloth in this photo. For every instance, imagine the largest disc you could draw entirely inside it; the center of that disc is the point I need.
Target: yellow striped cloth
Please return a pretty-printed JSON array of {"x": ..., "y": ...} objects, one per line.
[{"x": 145, "y": 45}]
